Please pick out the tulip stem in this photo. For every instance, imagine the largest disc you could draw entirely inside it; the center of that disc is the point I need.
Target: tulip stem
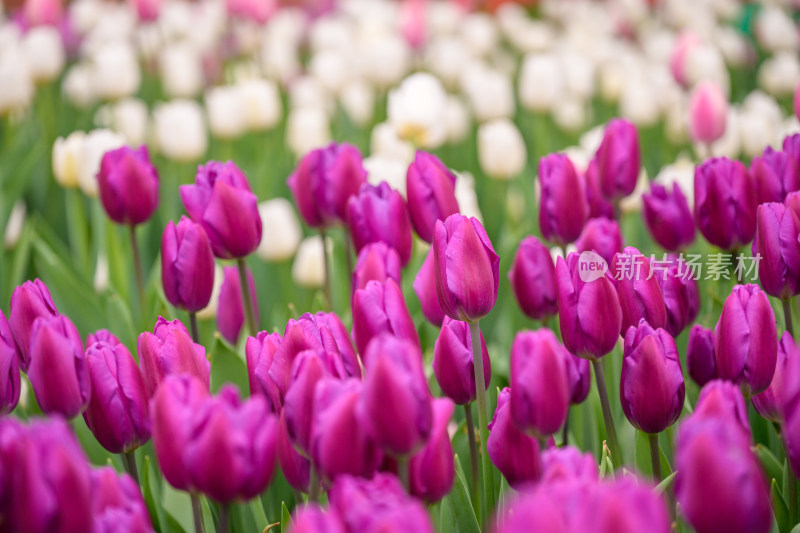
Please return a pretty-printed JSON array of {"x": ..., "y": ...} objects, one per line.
[
  {"x": 223, "y": 518},
  {"x": 791, "y": 495},
  {"x": 137, "y": 268},
  {"x": 313, "y": 485},
  {"x": 483, "y": 418},
  {"x": 655, "y": 456},
  {"x": 347, "y": 247},
  {"x": 247, "y": 300},
  {"x": 611, "y": 432},
  {"x": 402, "y": 472},
  {"x": 787, "y": 316},
  {"x": 197, "y": 513},
  {"x": 194, "y": 328},
  {"x": 325, "y": 259},
  {"x": 565, "y": 432},
  {"x": 129, "y": 460},
  {"x": 473, "y": 460}
]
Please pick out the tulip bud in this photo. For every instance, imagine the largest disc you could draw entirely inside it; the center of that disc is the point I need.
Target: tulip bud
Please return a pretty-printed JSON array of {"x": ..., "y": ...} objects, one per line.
[
  {"x": 700, "y": 358},
  {"x": 746, "y": 339},
  {"x": 789, "y": 409},
  {"x": 430, "y": 189},
  {"x": 29, "y": 301},
  {"x": 9, "y": 368},
  {"x": 590, "y": 316},
  {"x": 775, "y": 174},
  {"x": 579, "y": 377},
  {"x": 501, "y": 149},
  {"x": 230, "y": 311},
  {"x": 537, "y": 510},
  {"x": 416, "y": 110},
  {"x": 638, "y": 289},
  {"x": 170, "y": 350},
  {"x": 599, "y": 206},
  {"x": 791, "y": 145},
  {"x": 425, "y": 289},
  {"x": 453, "y": 365},
  {"x": 187, "y": 265},
  {"x": 260, "y": 352},
  {"x": 128, "y": 185},
  {"x": 380, "y": 308},
  {"x": 344, "y": 345},
  {"x": 681, "y": 294},
  {"x": 466, "y": 268},
  {"x": 376, "y": 261},
  {"x": 380, "y": 214},
  {"x": 567, "y": 464},
  {"x": 601, "y": 236},
  {"x": 117, "y": 503},
  {"x": 708, "y": 112},
  {"x": 533, "y": 279},
  {"x": 668, "y": 217},
  {"x": 117, "y": 414},
  {"x": 295, "y": 468},
  {"x": 724, "y": 203},
  {"x": 618, "y": 160},
  {"x": 767, "y": 403},
  {"x": 776, "y": 244},
  {"x": 623, "y": 505},
  {"x": 312, "y": 519},
  {"x": 651, "y": 387},
  {"x": 432, "y": 469},
  {"x": 723, "y": 399},
  {"x": 101, "y": 335},
  {"x": 564, "y": 208},
  {"x": 540, "y": 390},
  {"x": 221, "y": 201},
  {"x": 513, "y": 452}
]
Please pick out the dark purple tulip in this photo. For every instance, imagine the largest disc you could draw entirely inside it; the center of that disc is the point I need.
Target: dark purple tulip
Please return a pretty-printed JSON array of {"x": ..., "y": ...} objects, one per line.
[
  {"x": 128, "y": 185},
  {"x": 117, "y": 503},
  {"x": 344, "y": 345},
  {"x": 775, "y": 174},
  {"x": 425, "y": 289},
  {"x": 9, "y": 369},
  {"x": 170, "y": 350},
  {"x": 187, "y": 265},
  {"x": 431, "y": 192},
  {"x": 29, "y": 301},
  {"x": 432, "y": 470},
  {"x": 791, "y": 145},
  {"x": 651, "y": 387},
  {"x": 563, "y": 207},
  {"x": 579, "y": 377},
  {"x": 397, "y": 402},
  {"x": 724, "y": 203},
  {"x": 58, "y": 372},
  {"x": 324, "y": 181},
  {"x": 379, "y": 214},
  {"x": 618, "y": 160},
  {"x": 533, "y": 279},
  {"x": 376, "y": 261},
  {"x": 260, "y": 352},
  {"x": 723, "y": 399},
  {"x": 453, "y": 365},
  {"x": 668, "y": 217},
  {"x": 312, "y": 519},
  {"x": 601, "y": 236},
  {"x": 700, "y": 358},
  {"x": 599, "y": 206},
  {"x": 767, "y": 403},
  {"x": 746, "y": 339},
  {"x": 568, "y": 463},
  {"x": 380, "y": 308},
  {"x": 117, "y": 414},
  {"x": 680, "y": 291},
  {"x": 590, "y": 316},
  {"x": 221, "y": 201},
  {"x": 638, "y": 289},
  {"x": 340, "y": 444},
  {"x": 513, "y": 452},
  {"x": 466, "y": 268},
  {"x": 230, "y": 310},
  {"x": 789, "y": 406},
  {"x": 102, "y": 335},
  {"x": 296, "y": 468},
  {"x": 775, "y": 242},
  {"x": 623, "y": 506},
  {"x": 540, "y": 388}
]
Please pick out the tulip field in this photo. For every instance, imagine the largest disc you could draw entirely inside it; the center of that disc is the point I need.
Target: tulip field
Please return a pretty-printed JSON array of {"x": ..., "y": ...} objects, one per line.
[{"x": 377, "y": 266}]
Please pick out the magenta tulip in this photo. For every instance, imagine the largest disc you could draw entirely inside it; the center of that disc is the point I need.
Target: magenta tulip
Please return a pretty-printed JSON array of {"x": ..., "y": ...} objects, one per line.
[
  {"x": 564, "y": 208},
  {"x": 376, "y": 261},
  {"x": 724, "y": 203},
  {"x": 425, "y": 289},
  {"x": 230, "y": 311},
  {"x": 260, "y": 352},
  {"x": 380, "y": 308},
  {"x": 9, "y": 368},
  {"x": 601, "y": 236},
  {"x": 128, "y": 185},
  {"x": 513, "y": 452},
  {"x": 432, "y": 469},
  {"x": 618, "y": 160},
  {"x": 187, "y": 265},
  {"x": 638, "y": 290},
  {"x": 379, "y": 214},
  {"x": 431, "y": 194},
  {"x": 777, "y": 233},
  {"x": 117, "y": 503},
  {"x": 29, "y": 301},
  {"x": 533, "y": 279},
  {"x": 170, "y": 350},
  {"x": 776, "y": 174},
  {"x": 700, "y": 357},
  {"x": 668, "y": 217},
  {"x": 453, "y": 365},
  {"x": 768, "y": 402}
]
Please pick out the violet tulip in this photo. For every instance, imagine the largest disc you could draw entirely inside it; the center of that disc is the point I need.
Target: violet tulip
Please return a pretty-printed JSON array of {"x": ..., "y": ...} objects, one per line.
[
  {"x": 618, "y": 159},
  {"x": 379, "y": 214},
  {"x": 466, "y": 268},
  {"x": 312, "y": 519},
  {"x": 746, "y": 339},
  {"x": 563, "y": 207},
  {"x": 639, "y": 291},
  {"x": 376, "y": 261},
  {"x": 221, "y": 201},
  {"x": 601, "y": 236},
  {"x": 791, "y": 145},
  {"x": 128, "y": 185},
  {"x": 431, "y": 192},
  {"x": 425, "y": 289},
  {"x": 432, "y": 470},
  {"x": 535, "y": 510},
  {"x": 568, "y": 463},
  {"x": 344, "y": 344},
  {"x": 230, "y": 311},
  {"x": 776, "y": 174},
  {"x": 380, "y": 308},
  {"x": 724, "y": 203},
  {"x": 579, "y": 377},
  {"x": 723, "y": 399},
  {"x": 767, "y": 403},
  {"x": 701, "y": 361},
  {"x": 117, "y": 503},
  {"x": 260, "y": 352},
  {"x": 9, "y": 368},
  {"x": 295, "y": 468},
  {"x": 599, "y": 206},
  {"x": 453, "y": 365},
  {"x": 29, "y": 301},
  {"x": 623, "y": 505},
  {"x": 533, "y": 279},
  {"x": 187, "y": 265},
  {"x": 513, "y": 452},
  {"x": 775, "y": 243},
  {"x": 668, "y": 217},
  {"x": 789, "y": 407},
  {"x": 102, "y": 335},
  {"x": 680, "y": 291}
]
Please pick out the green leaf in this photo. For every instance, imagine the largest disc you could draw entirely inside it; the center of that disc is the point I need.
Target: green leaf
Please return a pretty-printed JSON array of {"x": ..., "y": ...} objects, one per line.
[
  {"x": 257, "y": 510},
  {"x": 772, "y": 466},
  {"x": 178, "y": 506},
  {"x": 779, "y": 508},
  {"x": 227, "y": 367},
  {"x": 459, "y": 507},
  {"x": 666, "y": 483},
  {"x": 149, "y": 480},
  {"x": 606, "y": 466},
  {"x": 286, "y": 518}
]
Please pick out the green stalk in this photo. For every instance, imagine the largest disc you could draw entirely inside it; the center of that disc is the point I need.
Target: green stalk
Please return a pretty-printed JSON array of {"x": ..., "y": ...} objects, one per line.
[
  {"x": 611, "y": 432},
  {"x": 326, "y": 260},
  {"x": 223, "y": 518},
  {"x": 193, "y": 325},
  {"x": 197, "y": 513},
  {"x": 403, "y": 473},
  {"x": 655, "y": 456},
  {"x": 129, "y": 460},
  {"x": 474, "y": 467},
  {"x": 787, "y": 315},
  {"x": 137, "y": 268},
  {"x": 483, "y": 420},
  {"x": 247, "y": 300}
]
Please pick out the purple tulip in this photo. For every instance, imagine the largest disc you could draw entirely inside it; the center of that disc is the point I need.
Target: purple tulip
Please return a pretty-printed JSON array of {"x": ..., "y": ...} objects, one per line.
[
  {"x": 746, "y": 339},
  {"x": 58, "y": 372},
  {"x": 425, "y": 289},
  {"x": 724, "y": 203},
  {"x": 723, "y": 399},
  {"x": 563, "y": 207},
  {"x": 513, "y": 452},
  {"x": 9, "y": 368},
  {"x": 170, "y": 350},
  {"x": 601, "y": 236},
  {"x": 29, "y": 301},
  {"x": 223, "y": 204},
  {"x": 466, "y": 268},
  {"x": 453, "y": 365},
  {"x": 11, "y": 432},
  {"x": 187, "y": 265},
  {"x": 623, "y": 506},
  {"x": 260, "y": 352},
  {"x": 567, "y": 464},
  {"x": 701, "y": 361},
  {"x": 789, "y": 407},
  {"x": 324, "y": 181},
  {"x": 312, "y": 519},
  {"x": 775, "y": 243},
  {"x": 590, "y": 316},
  {"x": 533, "y": 279},
  {"x": 680, "y": 291},
  {"x": 344, "y": 345},
  {"x": 599, "y": 207},
  {"x": 128, "y": 185},
  {"x": 791, "y": 145},
  {"x": 540, "y": 388},
  {"x": 230, "y": 311},
  {"x": 376, "y": 261},
  {"x": 638, "y": 289},
  {"x": 117, "y": 503},
  {"x": 431, "y": 191},
  {"x": 379, "y": 214},
  {"x": 668, "y": 217},
  {"x": 775, "y": 174},
  {"x": 539, "y": 509},
  {"x": 767, "y": 403},
  {"x": 117, "y": 414},
  {"x": 295, "y": 468},
  {"x": 432, "y": 470},
  {"x": 380, "y": 308},
  {"x": 618, "y": 160},
  {"x": 579, "y": 377},
  {"x": 102, "y": 335}
]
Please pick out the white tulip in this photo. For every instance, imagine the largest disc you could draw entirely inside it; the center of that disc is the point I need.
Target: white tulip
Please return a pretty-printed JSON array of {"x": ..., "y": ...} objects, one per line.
[
  {"x": 358, "y": 101},
  {"x": 83, "y": 14},
  {"x": 95, "y": 145},
  {"x": 288, "y": 24},
  {"x": 280, "y": 61},
  {"x": 756, "y": 133},
  {"x": 579, "y": 74},
  {"x": 778, "y": 74},
  {"x": 181, "y": 71},
  {"x": 557, "y": 251},
  {"x": 331, "y": 33},
  {"x": 282, "y": 233},
  {"x": 180, "y": 131},
  {"x": 385, "y": 59},
  {"x": 705, "y": 63},
  {"x": 308, "y": 269},
  {"x": 479, "y": 33},
  {"x": 458, "y": 120},
  {"x": 78, "y": 86},
  {"x": 44, "y": 52},
  {"x": 262, "y": 102},
  {"x": 730, "y": 144},
  {"x": 382, "y": 168},
  {"x": 67, "y": 159},
  {"x": 16, "y": 82},
  {"x": 541, "y": 82},
  {"x": 490, "y": 93},
  {"x": 309, "y": 92},
  {"x": 101, "y": 276},
  {"x": 734, "y": 45},
  {"x": 466, "y": 196},
  {"x": 590, "y": 141},
  {"x": 639, "y": 102},
  {"x": 15, "y": 225},
  {"x": 443, "y": 18},
  {"x": 384, "y": 141},
  {"x": 416, "y": 109},
  {"x": 210, "y": 311},
  {"x": 570, "y": 115},
  {"x": 226, "y": 115},
  {"x": 501, "y": 149},
  {"x": 115, "y": 71},
  {"x": 775, "y": 30},
  {"x": 307, "y": 128},
  {"x": 331, "y": 69},
  {"x": 130, "y": 117},
  {"x": 446, "y": 57}
]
